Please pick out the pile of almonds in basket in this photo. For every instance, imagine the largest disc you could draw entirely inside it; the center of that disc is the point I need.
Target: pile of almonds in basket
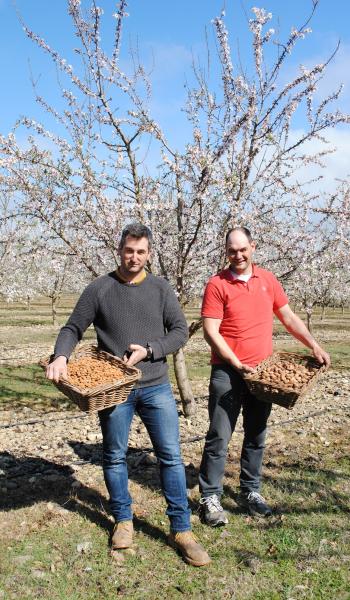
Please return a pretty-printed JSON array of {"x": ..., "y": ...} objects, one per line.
[
  {"x": 289, "y": 373},
  {"x": 88, "y": 372}
]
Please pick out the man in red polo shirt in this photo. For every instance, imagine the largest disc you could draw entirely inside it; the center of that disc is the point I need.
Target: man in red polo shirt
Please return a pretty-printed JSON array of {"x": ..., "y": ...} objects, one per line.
[{"x": 238, "y": 308}]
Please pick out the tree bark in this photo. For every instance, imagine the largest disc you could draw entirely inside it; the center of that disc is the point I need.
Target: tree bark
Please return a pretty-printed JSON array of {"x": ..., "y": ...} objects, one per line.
[
  {"x": 183, "y": 383},
  {"x": 195, "y": 325},
  {"x": 54, "y": 310},
  {"x": 323, "y": 313},
  {"x": 308, "y": 320}
]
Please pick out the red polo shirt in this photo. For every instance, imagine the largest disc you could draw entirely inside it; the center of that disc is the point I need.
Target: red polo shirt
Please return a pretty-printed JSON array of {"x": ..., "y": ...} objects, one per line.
[{"x": 246, "y": 312}]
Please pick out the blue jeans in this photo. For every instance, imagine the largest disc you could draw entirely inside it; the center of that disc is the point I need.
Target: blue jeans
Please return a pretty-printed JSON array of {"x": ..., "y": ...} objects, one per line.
[
  {"x": 157, "y": 409},
  {"x": 228, "y": 394}
]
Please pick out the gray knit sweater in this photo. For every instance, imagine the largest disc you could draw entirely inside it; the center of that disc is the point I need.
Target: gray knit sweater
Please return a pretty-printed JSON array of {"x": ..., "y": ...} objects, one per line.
[{"x": 124, "y": 314}]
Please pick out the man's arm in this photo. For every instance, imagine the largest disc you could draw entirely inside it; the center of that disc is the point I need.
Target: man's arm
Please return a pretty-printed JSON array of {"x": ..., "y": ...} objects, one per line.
[
  {"x": 176, "y": 329},
  {"x": 68, "y": 337},
  {"x": 297, "y": 328},
  {"x": 219, "y": 345},
  {"x": 176, "y": 333}
]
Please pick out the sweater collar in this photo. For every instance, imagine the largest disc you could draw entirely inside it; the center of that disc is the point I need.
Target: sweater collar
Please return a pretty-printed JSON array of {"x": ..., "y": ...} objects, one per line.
[{"x": 137, "y": 281}]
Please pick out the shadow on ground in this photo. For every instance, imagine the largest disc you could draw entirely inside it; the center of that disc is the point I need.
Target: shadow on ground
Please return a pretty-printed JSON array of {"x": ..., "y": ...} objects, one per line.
[
  {"x": 142, "y": 466},
  {"x": 143, "y": 469},
  {"x": 30, "y": 480}
]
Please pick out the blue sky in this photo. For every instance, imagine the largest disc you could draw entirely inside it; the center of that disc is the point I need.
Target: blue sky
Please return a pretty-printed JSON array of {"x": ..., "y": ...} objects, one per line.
[{"x": 168, "y": 34}]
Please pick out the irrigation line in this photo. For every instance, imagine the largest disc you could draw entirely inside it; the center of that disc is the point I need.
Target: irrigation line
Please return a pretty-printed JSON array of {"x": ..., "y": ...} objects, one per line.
[
  {"x": 317, "y": 413},
  {"x": 148, "y": 449},
  {"x": 35, "y": 421},
  {"x": 193, "y": 439},
  {"x": 196, "y": 438}
]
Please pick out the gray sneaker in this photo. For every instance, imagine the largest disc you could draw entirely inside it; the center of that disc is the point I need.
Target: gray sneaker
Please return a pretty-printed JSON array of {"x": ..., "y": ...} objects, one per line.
[
  {"x": 254, "y": 503},
  {"x": 211, "y": 511}
]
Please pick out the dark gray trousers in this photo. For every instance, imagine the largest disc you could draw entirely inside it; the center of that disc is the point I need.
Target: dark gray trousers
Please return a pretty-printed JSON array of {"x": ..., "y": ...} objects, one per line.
[{"x": 227, "y": 395}]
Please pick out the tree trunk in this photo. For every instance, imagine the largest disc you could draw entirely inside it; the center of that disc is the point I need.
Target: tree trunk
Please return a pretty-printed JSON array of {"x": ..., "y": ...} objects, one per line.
[
  {"x": 323, "y": 312},
  {"x": 54, "y": 310},
  {"x": 308, "y": 320},
  {"x": 183, "y": 383},
  {"x": 195, "y": 325},
  {"x": 28, "y": 302},
  {"x": 343, "y": 310}
]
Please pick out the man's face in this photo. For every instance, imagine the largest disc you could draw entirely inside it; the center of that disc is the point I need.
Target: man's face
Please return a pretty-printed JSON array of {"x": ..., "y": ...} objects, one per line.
[
  {"x": 239, "y": 252},
  {"x": 133, "y": 255}
]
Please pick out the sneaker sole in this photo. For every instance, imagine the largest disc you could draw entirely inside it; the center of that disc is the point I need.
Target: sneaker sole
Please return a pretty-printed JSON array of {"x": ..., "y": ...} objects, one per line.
[
  {"x": 254, "y": 513},
  {"x": 257, "y": 514},
  {"x": 216, "y": 524},
  {"x": 221, "y": 521}
]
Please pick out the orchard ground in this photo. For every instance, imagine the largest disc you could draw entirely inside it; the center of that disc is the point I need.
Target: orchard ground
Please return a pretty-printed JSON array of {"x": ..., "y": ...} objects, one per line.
[{"x": 54, "y": 519}]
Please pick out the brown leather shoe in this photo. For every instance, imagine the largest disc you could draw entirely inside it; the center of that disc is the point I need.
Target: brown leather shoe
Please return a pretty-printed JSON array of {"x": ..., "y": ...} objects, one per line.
[
  {"x": 122, "y": 535},
  {"x": 192, "y": 552}
]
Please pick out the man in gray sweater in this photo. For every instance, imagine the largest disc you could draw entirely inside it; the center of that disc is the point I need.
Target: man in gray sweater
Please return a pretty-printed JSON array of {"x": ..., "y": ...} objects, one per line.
[{"x": 136, "y": 316}]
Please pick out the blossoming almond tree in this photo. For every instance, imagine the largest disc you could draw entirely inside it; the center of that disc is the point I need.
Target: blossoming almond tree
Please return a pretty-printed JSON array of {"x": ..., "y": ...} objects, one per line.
[
  {"x": 323, "y": 274},
  {"x": 241, "y": 165},
  {"x": 86, "y": 180},
  {"x": 243, "y": 162},
  {"x": 59, "y": 273},
  {"x": 321, "y": 282},
  {"x": 244, "y": 145},
  {"x": 34, "y": 265}
]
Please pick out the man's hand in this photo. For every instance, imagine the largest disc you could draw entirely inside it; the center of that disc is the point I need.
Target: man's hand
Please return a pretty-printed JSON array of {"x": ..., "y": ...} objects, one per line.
[
  {"x": 213, "y": 337},
  {"x": 137, "y": 353},
  {"x": 243, "y": 369},
  {"x": 321, "y": 355},
  {"x": 57, "y": 369}
]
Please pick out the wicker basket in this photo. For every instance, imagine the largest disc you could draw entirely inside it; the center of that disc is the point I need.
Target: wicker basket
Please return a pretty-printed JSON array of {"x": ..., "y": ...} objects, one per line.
[
  {"x": 280, "y": 393},
  {"x": 104, "y": 395}
]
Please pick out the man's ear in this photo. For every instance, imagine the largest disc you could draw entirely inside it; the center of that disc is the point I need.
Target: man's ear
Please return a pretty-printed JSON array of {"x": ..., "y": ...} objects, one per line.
[{"x": 253, "y": 246}]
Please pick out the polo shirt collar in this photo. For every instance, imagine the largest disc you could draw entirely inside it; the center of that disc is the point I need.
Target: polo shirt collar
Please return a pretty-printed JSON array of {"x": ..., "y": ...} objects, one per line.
[{"x": 227, "y": 273}]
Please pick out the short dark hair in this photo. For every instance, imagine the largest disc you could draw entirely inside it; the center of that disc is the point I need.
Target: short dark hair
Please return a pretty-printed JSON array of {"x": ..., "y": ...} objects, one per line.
[
  {"x": 138, "y": 231},
  {"x": 244, "y": 230}
]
